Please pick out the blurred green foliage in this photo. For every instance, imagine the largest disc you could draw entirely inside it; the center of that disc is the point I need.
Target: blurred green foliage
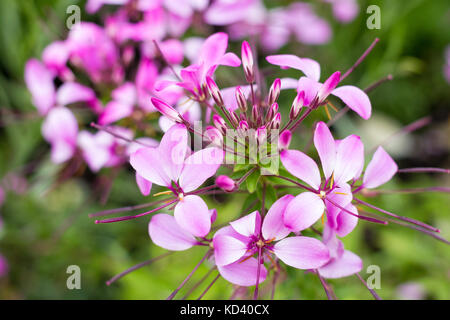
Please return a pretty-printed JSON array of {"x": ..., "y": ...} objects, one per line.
[{"x": 47, "y": 228}]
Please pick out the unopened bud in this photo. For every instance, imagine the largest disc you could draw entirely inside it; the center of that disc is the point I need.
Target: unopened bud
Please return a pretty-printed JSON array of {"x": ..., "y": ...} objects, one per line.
[
  {"x": 167, "y": 110},
  {"x": 255, "y": 113},
  {"x": 274, "y": 92},
  {"x": 297, "y": 105},
  {"x": 240, "y": 99},
  {"x": 243, "y": 125},
  {"x": 220, "y": 124},
  {"x": 261, "y": 134},
  {"x": 328, "y": 86},
  {"x": 276, "y": 122},
  {"x": 226, "y": 183},
  {"x": 247, "y": 62},
  {"x": 273, "y": 109},
  {"x": 214, "y": 91}
]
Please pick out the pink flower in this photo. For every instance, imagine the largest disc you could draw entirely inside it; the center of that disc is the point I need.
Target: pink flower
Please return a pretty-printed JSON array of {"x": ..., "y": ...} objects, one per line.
[
  {"x": 170, "y": 165},
  {"x": 249, "y": 235},
  {"x": 60, "y": 129},
  {"x": 355, "y": 98}
]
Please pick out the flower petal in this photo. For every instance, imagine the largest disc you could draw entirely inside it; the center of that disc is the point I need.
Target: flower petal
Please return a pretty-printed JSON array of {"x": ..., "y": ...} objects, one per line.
[
  {"x": 347, "y": 264},
  {"x": 248, "y": 225},
  {"x": 172, "y": 150},
  {"x": 39, "y": 81},
  {"x": 243, "y": 273},
  {"x": 273, "y": 226},
  {"x": 228, "y": 249},
  {"x": 355, "y": 99},
  {"x": 302, "y": 252},
  {"x": 349, "y": 158},
  {"x": 309, "y": 67},
  {"x": 114, "y": 111},
  {"x": 200, "y": 166},
  {"x": 144, "y": 185},
  {"x": 310, "y": 87},
  {"x": 303, "y": 211},
  {"x": 326, "y": 147},
  {"x": 301, "y": 166},
  {"x": 213, "y": 49},
  {"x": 192, "y": 214},
  {"x": 166, "y": 233},
  {"x": 380, "y": 169},
  {"x": 148, "y": 164},
  {"x": 346, "y": 222}
]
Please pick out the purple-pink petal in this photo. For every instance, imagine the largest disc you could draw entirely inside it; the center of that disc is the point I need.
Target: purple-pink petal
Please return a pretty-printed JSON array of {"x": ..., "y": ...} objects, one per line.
[
  {"x": 326, "y": 147},
  {"x": 302, "y": 252},
  {"x": 243, "y": 273},
  {"x": 303, "y": 211},
  {"x": 380, "y": 169},
  {"x": 273, "y": 227},
  {"x": 192, "y": 214},
  {"x": 355, "y": 99},
  {"x": 39, "y": 81},
  {"x": 309, "y": 67},
  {"x": 228, "y": 249},
  {"x": 148, "y": 163},
  {"x": 248, "y": 225},
  {"x": 345, "y": 265},
  {"x": 301, "y": 166},
  {"x": 349, "y": 158},
  {"x": 172, "y": 150},
  {"x": 144, "y": 185},
  {"x": 166, "y": 233}
]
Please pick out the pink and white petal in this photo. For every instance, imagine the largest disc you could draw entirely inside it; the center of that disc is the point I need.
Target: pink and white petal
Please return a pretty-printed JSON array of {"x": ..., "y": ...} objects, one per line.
[
  {"x": 143, "y": 142},
  {"x": 166, "y": 233},
  {"x": 228, "y": 249},
  {"x": 248, "y": 225},
  {"x": 71, "y": 92},
  {"x": 301, "y": 166},
  {"x": 61, "y": 151},
  {"x": 229, "y": 231},
  {"x": 346, "y": 222},
  {"x": 288, "y": 83},
  {"x": 200, "y": 166},
  {"x": 380, "y": 169},
  {"x": 144, "y": 185},
  {"x": 213, "y": 49},
  {"x": 326, "y": 147},
  {"x": 172, "y": 150},
  {"x": 243, "y": 273},
  {"x": 273, "y": 227},
  {"x": 229, "y": 59},
  {"x": 356, "y": 99},
  {"x": 302, "y": 252},
  {"x": 310, "y": 87},
  {"x": 350, "y": 155},
  {"x": 39, "y": 81},
  {"x": 340, "y": 196},
  {"x": 346, "y": 265},
  {"x": 172, "y": 50},
  {"x": 213, "y": 215},
  {"x": 55, "y": 55},
  {"x": 95, "y": 155},
  {"x": 303, "y": 211},
  {"x": 148, "y": 164},
  {"x": 114, "y": 111},
  {"x": 192, "y": 214},
  {"x": 309, "y": 67}
]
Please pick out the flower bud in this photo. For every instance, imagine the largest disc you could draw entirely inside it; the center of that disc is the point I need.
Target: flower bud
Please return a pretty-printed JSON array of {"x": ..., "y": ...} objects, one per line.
[
  {"x": 220, "y": 124},
  {"x": 276, "y": 122},
  {"x": 213, "y": 135},
  {"x": 284, "y": 140},
  {"x": 261, "y": 134},
  {"x": 247, "y": 62},
  {"x": 243, "y": 125},
  {"x": 297, "y": 105},
  {"x": 167, "y": 110},
  {"x": 273, "y": 109},
  {"x": 274, "y": 92},
  {"x": 225, "y": 183},
  {"x": 240, "y": 98},
  {"x": 255, "y": 113},
  {"x": 214, "y": 91},
  {"x": 328, "y": 86}
]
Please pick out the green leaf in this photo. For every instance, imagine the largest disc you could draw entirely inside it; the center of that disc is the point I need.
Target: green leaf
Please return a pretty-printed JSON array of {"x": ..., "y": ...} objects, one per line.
[{"x": 252, "y": 181}]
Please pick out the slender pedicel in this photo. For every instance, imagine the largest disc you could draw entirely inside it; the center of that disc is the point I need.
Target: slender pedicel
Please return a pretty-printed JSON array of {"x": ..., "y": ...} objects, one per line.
[
  {"x": 424, "y": 170},
  {"x": 166, "y": 61},
  {"x": 258, "y": 273},
  {"x": 358, "y": 62},
  {"x": 136, "y": 216},
  {"x": 357, "y": 215},
  {"x": 116, "y": 135},
  {"x": 189, "y": 275},
  {"x": 129, "y": 208},
  {"x": 198, "y": 283},
  {"x": 139, "y": 265},
  {"x": 209, "y": 287},
  {"x": 406, "y": 219},
  {"x": 374, "y": 294},
  {"x": 328, "y": 290}
]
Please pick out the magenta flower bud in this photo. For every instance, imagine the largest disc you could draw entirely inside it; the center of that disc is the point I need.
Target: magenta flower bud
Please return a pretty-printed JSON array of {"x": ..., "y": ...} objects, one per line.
[
  {"x": 243, "y": 125},
  {"x": 225, "y": 183},
  {"x": 167, "y": 110},
  {"x": 297, "y": 105},
  {"x": 328, "y": 86},
  {"x": 213, "y": 135},
  {"x": 255, "y": 113},
  {"x": 272, "y": 111},
  {"x": 276, "y": 122},
  {"x": 240, "y": 98},
  {"x": 284, "y": 140},
  {"x": 214, "y": 91},
  {"x": 274, "y": 92},
  {"x": 261, "y": 134},
  {"x": 247, "y": 62},
  {"x": 220, "y": 124}
]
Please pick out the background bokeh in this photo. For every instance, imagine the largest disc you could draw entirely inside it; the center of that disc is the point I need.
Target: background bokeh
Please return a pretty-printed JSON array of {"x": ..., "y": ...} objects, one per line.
[{"x": 46, "y": 227}]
